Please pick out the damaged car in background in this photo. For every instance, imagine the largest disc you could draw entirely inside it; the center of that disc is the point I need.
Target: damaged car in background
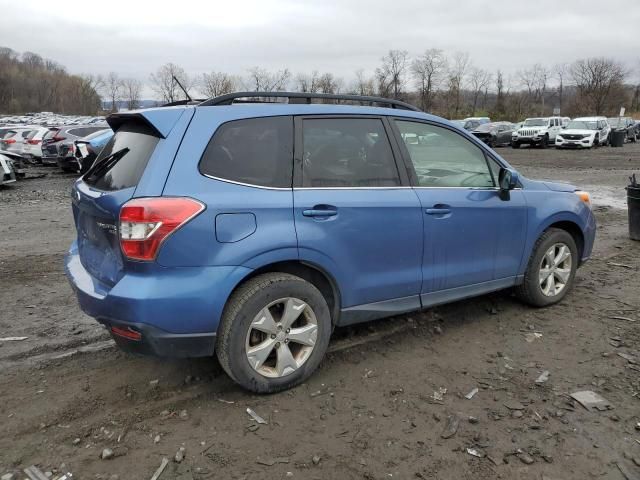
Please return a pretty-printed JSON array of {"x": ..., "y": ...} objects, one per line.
[
  {"x": 495, "y": 134},
  {"x": 7, "y": 170}
]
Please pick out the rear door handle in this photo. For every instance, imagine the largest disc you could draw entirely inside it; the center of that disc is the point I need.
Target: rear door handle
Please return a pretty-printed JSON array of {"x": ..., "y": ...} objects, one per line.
[{"x": 320, "y": 212}]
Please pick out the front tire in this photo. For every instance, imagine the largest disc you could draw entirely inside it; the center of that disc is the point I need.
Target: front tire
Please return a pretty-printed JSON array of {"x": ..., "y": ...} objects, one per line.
[
  {"x": 274, "y": 332},
  {"x": 551, "y": 269},
  {"x": 544, "y": 143},
  {"x": 515, "y": 145}
]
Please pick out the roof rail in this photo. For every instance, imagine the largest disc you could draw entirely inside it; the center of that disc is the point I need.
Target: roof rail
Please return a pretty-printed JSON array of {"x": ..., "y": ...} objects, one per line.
[
  {"x": 307, "y": 97},
  {"x": 190, "y": 101}
]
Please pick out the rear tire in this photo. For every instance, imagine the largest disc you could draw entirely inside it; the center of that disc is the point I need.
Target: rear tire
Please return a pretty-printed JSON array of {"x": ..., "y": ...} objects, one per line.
[
  {"x": 542, "y": 281},
  {"x": 249, "y": 344}
]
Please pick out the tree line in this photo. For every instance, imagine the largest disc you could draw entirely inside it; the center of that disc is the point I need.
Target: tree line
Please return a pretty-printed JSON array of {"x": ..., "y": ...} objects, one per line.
[{"x": 449, "y": 85}]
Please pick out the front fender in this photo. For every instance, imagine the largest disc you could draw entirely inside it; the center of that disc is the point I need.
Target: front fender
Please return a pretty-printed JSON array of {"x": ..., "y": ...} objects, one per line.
[{"x": 549, "y": 208}]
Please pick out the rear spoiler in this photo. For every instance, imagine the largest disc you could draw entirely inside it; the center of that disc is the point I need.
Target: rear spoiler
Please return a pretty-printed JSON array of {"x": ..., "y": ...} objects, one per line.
[{"x": 160, "y": 120}]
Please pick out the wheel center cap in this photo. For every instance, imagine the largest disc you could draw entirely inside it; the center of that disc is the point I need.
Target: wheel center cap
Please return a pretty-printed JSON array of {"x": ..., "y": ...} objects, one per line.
[{"x": 281, "y": 336}]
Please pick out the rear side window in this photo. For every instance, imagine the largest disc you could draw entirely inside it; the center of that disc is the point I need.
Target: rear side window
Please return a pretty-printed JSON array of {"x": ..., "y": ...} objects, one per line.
[
  {"x": 254, "y": 151},
  {"x": 347, "y": 152},
  {"x": 50, "y": 134},
  {"x": 123, "y": 159}
]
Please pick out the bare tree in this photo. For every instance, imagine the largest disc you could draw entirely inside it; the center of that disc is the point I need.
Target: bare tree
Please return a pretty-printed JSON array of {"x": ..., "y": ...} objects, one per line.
[
  {"x": 363, "y": 85},
  {"x": 114, "y": 88},
  {"x": 428, "y": 71},
  {"x": 164, "y": 84},
  {"x": 535, "y": 80},
  {"x": 596, "y": 79},
  {"x": 261, "y": 80},
  {"x": 214, "y": 84},
  {"x": 307, "y": 83},
  {"x": 132, "y": 89},
  {"x": 391, "y": 75},
  {"x": 561, "y": 71},
  {"x": 500, "y": 100},
  {"x": 478, "y": 81},
  {"x": 456, "y": 77}
]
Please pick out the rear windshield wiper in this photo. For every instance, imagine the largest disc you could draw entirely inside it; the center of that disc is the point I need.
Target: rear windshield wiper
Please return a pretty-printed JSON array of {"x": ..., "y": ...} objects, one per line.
[{"x": 106, "y": 164}]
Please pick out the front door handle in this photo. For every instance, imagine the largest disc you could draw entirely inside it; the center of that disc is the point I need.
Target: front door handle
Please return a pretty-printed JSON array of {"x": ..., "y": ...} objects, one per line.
[
  {"x": 320, "y": 212},
  {"x": 437, "y": 211}
]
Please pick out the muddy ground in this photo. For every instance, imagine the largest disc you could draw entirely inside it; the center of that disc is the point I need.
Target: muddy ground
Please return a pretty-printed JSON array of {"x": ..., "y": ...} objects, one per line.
[{"x": 378, "y": 405}]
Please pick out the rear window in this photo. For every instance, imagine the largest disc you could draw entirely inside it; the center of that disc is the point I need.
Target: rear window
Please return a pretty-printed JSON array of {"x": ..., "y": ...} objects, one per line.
[
  {"x": 51, "y": 133},
  {"x": 123, "y": 159},
  {"x": 255, "y": 151},
  {"x": 84, "y": 131}
]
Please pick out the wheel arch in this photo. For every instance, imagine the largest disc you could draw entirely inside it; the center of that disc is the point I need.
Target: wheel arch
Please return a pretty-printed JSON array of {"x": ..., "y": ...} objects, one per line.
[
  {"x": 310, "y": 272},
  {"x": 568, "y": 222}
]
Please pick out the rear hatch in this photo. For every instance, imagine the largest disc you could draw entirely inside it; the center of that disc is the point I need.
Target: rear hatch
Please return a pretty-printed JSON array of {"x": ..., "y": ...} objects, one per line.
[{"x": 101, "y": 192}]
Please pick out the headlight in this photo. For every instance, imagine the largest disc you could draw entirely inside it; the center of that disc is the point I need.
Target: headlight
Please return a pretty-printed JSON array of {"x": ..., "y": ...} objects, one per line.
[
  {"x": 558, "y": 137},
  {"x": 584, "y": 196}
]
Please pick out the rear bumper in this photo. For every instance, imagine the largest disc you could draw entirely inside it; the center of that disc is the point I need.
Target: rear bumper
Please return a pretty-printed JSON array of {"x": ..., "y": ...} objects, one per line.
[
  {"x": 68, "y": 163},
  {"x": 49, "y": 160},
  {"x": 157, "y": 342},
  {"x": 176, "y": 310}
]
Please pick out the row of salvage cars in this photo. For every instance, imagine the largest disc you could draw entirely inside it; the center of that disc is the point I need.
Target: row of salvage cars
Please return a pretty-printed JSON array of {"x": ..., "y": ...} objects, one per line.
[
  {"x": 72, "y": 148},
  {"x": 561, "y": 132}
]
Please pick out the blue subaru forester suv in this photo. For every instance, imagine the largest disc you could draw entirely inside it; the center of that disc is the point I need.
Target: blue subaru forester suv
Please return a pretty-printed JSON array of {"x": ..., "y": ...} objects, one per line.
[{"x": 251, "y": 224}]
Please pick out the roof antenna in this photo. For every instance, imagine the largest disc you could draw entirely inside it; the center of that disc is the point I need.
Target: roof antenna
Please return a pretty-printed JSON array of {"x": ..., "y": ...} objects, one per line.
[{"x": 186, "y": 94}]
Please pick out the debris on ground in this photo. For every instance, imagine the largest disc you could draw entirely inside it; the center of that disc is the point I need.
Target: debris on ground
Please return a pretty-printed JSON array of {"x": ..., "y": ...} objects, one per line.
[
  {"x": 8, "y": 476},
  {"x": 451, "y": 427},
  {"x": 179, "y": 456},
  {"x": 626, "y": 472},
  {"x": 627, "y": 319},
  {"x": 34, "y": 473},
  {"x": 256, "y": 417},
  {"x": 513, "y": 405},
  {"x": 316, "y": 459},
  {"x": 544, "y": 376},
  {"x": 160, "y": 469},
  {"x": 107, "y": 454},
  {"x": 476, "y": 452},
  {"x": 524, "y": 457},
  {"x": 438, "y": 395},
  {"x": 471, "y": 394},
  {"x": 629, "y": 358},
  {"x": 13, "y": 339},
  {"x": 270, "y": 462},
  {"x": 591, "y": 400},
  {"x": 532, "y": 336}
]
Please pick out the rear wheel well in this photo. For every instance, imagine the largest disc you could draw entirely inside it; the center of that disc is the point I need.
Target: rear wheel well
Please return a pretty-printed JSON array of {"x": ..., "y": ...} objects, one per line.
[
  {"x": 575, "y": 231},
  {"x": 312, "y": 274}
]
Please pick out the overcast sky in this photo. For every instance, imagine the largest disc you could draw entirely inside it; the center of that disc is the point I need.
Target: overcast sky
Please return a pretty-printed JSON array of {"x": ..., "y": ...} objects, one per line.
[{"x": 134, "y": 37}]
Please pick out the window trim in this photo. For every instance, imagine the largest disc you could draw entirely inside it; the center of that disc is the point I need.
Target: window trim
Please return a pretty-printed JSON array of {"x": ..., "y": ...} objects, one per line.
[
  {"x": 409, "y": 163},
  {"x": 235, "y": 182},
  {"x": 298, "y": 150}
]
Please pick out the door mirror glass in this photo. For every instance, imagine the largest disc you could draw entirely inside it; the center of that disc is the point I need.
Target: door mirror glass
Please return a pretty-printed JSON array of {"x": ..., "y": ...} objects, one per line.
[{"x": 508, "y": 179}]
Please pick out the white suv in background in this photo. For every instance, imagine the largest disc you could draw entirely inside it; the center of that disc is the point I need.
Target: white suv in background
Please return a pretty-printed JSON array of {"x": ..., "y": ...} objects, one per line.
[
  {"x": 537, "y": 131},
  {"x": 584, "y": 132}
]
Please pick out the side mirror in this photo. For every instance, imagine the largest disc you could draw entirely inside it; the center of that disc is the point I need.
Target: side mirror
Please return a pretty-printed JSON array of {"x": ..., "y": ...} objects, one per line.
[{"x": 507, "y": 181}]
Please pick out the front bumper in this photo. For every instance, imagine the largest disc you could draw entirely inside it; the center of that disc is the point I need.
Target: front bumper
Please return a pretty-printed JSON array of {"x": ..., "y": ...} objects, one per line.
[
  {"x": 175, "y": 311},
  {"x": 564, "y": 143}
]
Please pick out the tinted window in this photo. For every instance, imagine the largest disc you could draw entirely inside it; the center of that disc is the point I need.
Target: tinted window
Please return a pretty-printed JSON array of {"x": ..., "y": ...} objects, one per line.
[
  {"x": 347, "y": 152},
  {"x": 443, "y": 158},
  {"x": 123, "y": 159},
  {"x": 256, "y": 151},
  {"x": 25, "y": 133}
]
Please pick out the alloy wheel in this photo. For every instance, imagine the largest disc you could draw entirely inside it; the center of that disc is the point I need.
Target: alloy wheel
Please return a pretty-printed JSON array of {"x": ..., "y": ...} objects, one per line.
[
  {"x": 555, "y": 270},
  {"x": 281, "y": 337}
]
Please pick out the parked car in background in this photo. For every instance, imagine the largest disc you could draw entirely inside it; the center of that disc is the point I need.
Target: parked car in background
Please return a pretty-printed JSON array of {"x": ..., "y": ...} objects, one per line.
[
  {"x": 33, "y": 143},
  {"x": 14, "y": 139},
  {"x": 58, "y": 148},
  {"x": 201, "y": 230},
  {"x": 585, "y": 132},
  {"x": 626, "y": 124},
  {"x": 495, "y": 134},
  {"x": 478, "y": 119},
  {"x": 87, "y": 149},
  {"x": 537, "y": 132},
  {"x": 468, "y": 124},
  {"x": 7, "y": 170}
]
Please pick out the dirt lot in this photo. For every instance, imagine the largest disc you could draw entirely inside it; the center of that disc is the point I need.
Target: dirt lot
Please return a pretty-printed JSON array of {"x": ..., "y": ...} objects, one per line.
[{"x": 376, "y": 408}]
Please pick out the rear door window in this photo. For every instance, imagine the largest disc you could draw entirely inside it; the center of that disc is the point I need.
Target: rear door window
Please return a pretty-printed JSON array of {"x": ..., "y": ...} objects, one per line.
[
  {"x": 254, "y": 151},
  {"x": 347, "y": 152},
  {"x": 123, "y": 159}
]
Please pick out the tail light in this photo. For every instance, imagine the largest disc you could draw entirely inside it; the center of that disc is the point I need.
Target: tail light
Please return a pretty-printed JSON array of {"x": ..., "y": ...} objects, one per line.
[
  {"x": 128, "y": 333},
  {"x": 34, "y": 142},
  {"x": 9, "y": 141},
  {"x": 56, "y": 138},
  {"x": 147, "y": 222}
]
